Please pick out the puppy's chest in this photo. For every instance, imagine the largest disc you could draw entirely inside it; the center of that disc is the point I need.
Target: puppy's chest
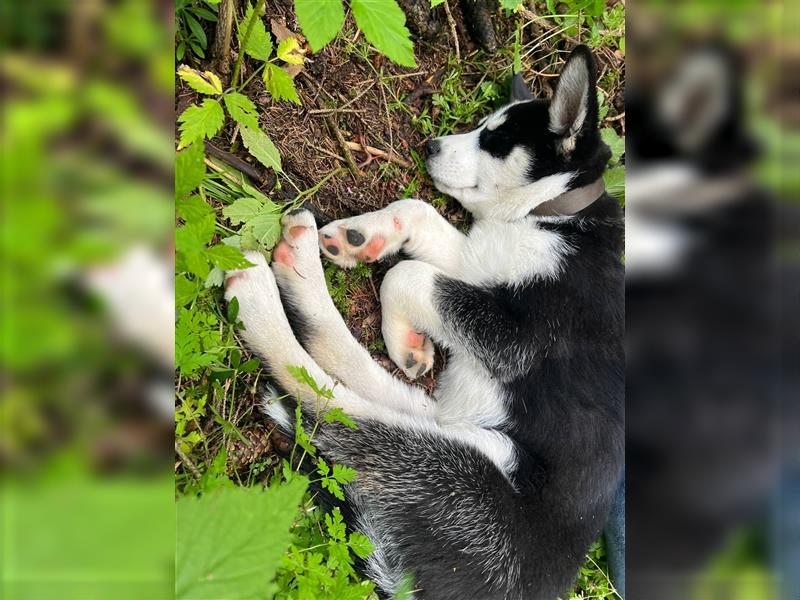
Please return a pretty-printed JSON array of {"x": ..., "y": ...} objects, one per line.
[{"x": 498, "y": 252}]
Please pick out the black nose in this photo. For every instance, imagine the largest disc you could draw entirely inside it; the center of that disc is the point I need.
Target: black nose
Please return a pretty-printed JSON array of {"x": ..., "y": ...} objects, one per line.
[{"x": 433, "y": 147}]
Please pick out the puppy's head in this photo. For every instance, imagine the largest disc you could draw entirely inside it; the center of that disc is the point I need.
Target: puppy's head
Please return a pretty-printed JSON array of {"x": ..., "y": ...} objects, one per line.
[{"x": 527, "y": 152}]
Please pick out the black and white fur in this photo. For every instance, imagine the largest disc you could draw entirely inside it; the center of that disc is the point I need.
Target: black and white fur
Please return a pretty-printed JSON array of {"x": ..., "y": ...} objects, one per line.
[{"x": 494, "y": 486}]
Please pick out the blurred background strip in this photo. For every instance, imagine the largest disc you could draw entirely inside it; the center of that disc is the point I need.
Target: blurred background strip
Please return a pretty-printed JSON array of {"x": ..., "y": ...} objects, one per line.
[
  {"x": 87, "y": 496},
  {"x": 712, "y": 265}
]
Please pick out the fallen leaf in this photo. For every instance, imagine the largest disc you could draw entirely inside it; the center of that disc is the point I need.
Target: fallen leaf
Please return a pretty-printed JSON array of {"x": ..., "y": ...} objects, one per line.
[{"x": 281, "y": 32}]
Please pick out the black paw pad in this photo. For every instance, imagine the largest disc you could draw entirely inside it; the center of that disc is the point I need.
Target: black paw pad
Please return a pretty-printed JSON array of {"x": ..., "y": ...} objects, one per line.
[
  {"x": 333, "y": 250},
  {"x": 410, "y": 362},
  {"x": 354, "y": 237},
  {"x": 421, "y": 370}
]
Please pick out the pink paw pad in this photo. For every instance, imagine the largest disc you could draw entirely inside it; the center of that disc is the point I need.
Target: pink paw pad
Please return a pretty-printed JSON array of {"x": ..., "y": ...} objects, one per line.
[
  {"x": 283, "y": 254},
  {"x": 414, "y": 339},
  {"x": 297, "y": 231},
  {"x": 372, "y": 249}
]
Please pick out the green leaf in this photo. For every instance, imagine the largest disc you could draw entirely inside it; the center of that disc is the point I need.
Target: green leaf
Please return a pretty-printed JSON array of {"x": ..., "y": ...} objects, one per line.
[
  {"x": 216, "y": 277},
  {"x": 280, "y": 84},
  {"x": 190, "y": 169},
  {"x": 383, "y": 24},
  {"x": 230, "y": 541},
  {"x": 265, "y": 228},
  {"x": 333, "y": 487},
  {"x": 205, "y": 83},
  {"x": 338, "y": 415},
  {"x": 241, "y": 109},
  {"x": 511, "y": 4},
  {"x": 334, "y": 523},
  {"x": 226, "y": 258},
  {"x": 195, "y": 235},
  {"x": 201, "y": 121},
  {"x": 360, "y": 544},
  {"x": 302, "y": 376},
  {"x": 435, "y": 3},
  {"x": 185, "y": 290},
  {"x": 614, "y": 142},
  {"x": 259, "y": 44},
  {"x": 193, "y": 208},
  {"x": 197, "y": 30},
  {"x": 320, "y": 20},
  {"x": 615, "y": 183},
  {"x": 289, "y": 51},
  {"x": 242, "y": 210},
  {"x": 343, "y": 474},
  {"x": 261, "y": 147}
]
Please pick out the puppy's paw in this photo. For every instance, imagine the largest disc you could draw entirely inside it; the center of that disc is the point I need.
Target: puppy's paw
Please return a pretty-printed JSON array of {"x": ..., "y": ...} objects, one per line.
[
  {"x": 295, "y": 260},
  {"x": 410, "y": 350},
  {"x": 365, "y": 238}
]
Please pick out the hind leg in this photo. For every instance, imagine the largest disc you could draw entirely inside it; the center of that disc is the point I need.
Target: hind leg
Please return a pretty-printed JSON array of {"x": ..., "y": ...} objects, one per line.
[{"x": 298, "y": 272}]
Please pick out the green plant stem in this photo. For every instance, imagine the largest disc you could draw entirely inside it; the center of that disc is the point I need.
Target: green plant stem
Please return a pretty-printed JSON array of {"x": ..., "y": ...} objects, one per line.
[
  {"x": 250, "y": 24},
  {"x": 249, "y": 79},
  {"x": 313, "y": 190}
]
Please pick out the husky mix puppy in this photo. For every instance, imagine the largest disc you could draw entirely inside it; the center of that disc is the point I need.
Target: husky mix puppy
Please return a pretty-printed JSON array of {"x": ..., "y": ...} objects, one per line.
[{"x": 496, "y": 485}]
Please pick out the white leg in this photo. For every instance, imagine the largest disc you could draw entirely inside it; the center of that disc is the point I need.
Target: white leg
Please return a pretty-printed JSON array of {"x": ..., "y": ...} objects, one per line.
[
  {"x": 411, "y": 225},
  {"x": 300, "y": 277},
  {"x": 410, "y": 319}
]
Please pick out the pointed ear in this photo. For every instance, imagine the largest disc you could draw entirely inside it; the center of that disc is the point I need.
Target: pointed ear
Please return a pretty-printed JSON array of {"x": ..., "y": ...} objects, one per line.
[
  {"x": 574, "y": 103},
  {"x": 519, "y": 90}
]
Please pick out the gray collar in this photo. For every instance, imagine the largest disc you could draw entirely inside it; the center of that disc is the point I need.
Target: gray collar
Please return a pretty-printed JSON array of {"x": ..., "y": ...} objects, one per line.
[{"x": 571, "y": 202}]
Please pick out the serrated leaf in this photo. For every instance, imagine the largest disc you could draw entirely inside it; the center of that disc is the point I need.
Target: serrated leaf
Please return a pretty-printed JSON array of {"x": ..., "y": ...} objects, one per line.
[
  {"x": 343, "y": 474},
  {"x": 259, "y": 44},
  {"x": 226, "y": 258},
  {"x": 198, "y": 122},
  {"x": 193, "y": 208},
  {"x": 289, "y": 51},
  {"x": 185, "y": 290},
  {"x": 215, "y": 278},
  {"x": 241, "y": 109},
  {"x": 338, "y": 415},
  {"x": 302, "y": 376},
  {"x": 320, "y": 20},
  {"x": 205, "y": 83},
  {"x": 360, "y": 544},
  {"x": 195, "y": 235},
  {"x": 280, "y": 84},
  {"x": 384, "y": 25},
  {"x": 265, "y": 228},
  {"x": 230, "y": 541},
  {"x": 333, "y": 487},
  {"x": 261, "y": 147},
  {"x": 190, "y": 169},
  {"x": 234, "y": 241},
  {"x": 614, "y": 142},
  {"x": 242, "y": 209}
]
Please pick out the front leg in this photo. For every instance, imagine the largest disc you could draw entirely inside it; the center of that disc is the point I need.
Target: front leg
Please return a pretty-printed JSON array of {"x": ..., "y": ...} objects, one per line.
[
  {"x": 409, "y": 316},
  {"x": 409, "y": 225}
]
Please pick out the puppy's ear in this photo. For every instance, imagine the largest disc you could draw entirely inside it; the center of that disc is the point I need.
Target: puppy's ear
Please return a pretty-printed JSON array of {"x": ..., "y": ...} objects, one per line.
[
  {"x": 574, "y": 103},
  {"x": 519, "y": 90}
]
